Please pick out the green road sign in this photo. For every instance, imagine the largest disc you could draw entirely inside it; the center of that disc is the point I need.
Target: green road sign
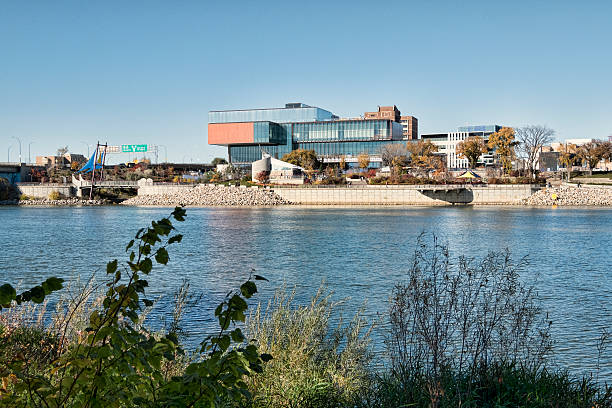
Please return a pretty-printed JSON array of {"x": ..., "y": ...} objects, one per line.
[{"x": 136, "y": 148}]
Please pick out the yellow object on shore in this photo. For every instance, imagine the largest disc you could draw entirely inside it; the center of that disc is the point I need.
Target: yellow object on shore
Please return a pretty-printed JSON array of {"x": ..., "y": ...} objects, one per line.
[{"x": 554, "y": 196}]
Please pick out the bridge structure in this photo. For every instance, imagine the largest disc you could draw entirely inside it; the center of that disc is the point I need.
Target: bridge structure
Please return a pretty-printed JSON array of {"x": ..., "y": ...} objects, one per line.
[{"x": 83, "y": 186}]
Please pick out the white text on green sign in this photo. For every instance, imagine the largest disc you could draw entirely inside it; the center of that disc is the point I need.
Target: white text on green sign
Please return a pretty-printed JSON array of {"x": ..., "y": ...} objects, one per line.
[{"x": 134, "y": 148}]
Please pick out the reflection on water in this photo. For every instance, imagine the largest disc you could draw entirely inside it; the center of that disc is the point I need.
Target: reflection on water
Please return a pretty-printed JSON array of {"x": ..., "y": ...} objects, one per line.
[{"x": 360, "y": 252}]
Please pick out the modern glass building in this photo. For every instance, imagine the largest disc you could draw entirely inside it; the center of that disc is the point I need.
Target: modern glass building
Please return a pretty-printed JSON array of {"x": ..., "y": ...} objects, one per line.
[{"x": 278, "y": 131}]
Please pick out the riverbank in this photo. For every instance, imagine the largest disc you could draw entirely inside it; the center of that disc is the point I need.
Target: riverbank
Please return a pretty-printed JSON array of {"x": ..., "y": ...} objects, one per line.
[
  {"x": 64, "y": 202},
  {"x": 210, "y": 195},
  {"x": 571, "y": 196}
]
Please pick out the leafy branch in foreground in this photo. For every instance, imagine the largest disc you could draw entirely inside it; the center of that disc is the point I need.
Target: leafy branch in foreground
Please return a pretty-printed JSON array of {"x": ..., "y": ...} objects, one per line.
[{"x": 118, "y": 363}]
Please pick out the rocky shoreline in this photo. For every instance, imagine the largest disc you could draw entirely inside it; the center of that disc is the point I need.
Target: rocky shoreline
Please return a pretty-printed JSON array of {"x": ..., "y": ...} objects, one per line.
[
  {"x": 64, "y": 202},
  {"x": 571, "y": 196},
  {"x": 211, "y": 196}
]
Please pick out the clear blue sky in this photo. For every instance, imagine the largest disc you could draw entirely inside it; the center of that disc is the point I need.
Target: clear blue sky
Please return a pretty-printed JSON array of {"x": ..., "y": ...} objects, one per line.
[{"x": 148, "y": 72}]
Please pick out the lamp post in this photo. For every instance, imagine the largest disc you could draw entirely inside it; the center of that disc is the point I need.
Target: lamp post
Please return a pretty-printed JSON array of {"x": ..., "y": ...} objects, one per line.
[
  {"x": 166, "y": 152},
  {"x": 29, "y": 151},
  {"x": 86, "y": 144},
  {"x": 8, "y": 154},
  {"x": 19, "y": 140}
]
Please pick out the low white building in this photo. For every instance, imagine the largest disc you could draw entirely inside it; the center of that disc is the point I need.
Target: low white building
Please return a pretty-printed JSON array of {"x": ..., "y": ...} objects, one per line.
[{"x": 447, "y": 144}]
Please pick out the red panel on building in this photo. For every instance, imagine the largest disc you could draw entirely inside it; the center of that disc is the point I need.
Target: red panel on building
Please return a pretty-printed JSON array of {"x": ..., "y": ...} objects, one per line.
[{"x": 230, "y": 133}]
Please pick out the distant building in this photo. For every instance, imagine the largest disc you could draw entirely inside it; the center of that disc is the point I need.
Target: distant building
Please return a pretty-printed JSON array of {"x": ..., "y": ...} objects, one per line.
[
  {"x": 410, "y": 124},
  {"x": 278, "y": 131},
  {"x": 447, "y": 144},
  {"x": 60, "y": 161},
  {"x": 384, "y": 112},
  {"x": 548, "y": 160}
]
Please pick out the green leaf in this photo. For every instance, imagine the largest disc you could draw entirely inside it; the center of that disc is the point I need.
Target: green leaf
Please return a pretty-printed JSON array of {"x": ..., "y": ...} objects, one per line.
[
  {"x": 265, "y": 357},
  {"x": 237, "y": 303},
  {"x": 161, "y": 257},
  {"x": 37, "y": 294},
  {"x": 259, "y": 277},
  {"x": 176, "y": 238},
  {"x": 224, "y": 342},
  {"x": 129, "y": 245},
  {"x": 237, "y": 335},
  {"x": 111, "y": 267},
  {"x": 52, "y": 284},
  {"x": 179, "y": 214},
  {"x": 147, "y": 302},
  {"x": 7, "y": 294},
  {"x": 248, "y": 289},
  {"x": 146, "y": 265}
]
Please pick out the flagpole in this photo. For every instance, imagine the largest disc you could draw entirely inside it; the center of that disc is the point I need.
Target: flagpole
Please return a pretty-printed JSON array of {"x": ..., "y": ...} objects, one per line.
[{"x": 93, "y": 171}]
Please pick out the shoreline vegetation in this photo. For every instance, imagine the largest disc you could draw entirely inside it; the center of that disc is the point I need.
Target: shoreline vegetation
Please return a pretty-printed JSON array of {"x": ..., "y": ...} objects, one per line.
[{"x": 459, "y": 332}]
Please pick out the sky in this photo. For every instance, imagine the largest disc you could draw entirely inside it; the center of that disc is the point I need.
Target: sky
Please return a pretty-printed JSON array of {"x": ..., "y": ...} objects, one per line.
[{"x": 147, "y": 72}]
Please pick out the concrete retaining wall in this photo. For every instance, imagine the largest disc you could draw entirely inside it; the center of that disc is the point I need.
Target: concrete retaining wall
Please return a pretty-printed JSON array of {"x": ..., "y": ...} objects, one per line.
[
  {"x": 407, "y": 195},
  {"x": 43, "y": 190},
  {"x": 163, "y": 189}
]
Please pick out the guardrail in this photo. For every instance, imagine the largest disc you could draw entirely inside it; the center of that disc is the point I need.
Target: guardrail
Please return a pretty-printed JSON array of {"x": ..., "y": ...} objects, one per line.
[
  {"x": 44, "y": 184},
  {"x": 404, "y": 186}
]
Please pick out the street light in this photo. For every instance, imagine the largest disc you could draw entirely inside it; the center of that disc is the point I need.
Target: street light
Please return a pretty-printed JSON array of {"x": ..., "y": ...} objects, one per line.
[
  {"x": 8, "y": 154},
  {"x": 86, "y": 144},
  {"x": 29, "y": 150},
  {"x": 166, "y": 152},
  {"x": 19, "y": 140}
]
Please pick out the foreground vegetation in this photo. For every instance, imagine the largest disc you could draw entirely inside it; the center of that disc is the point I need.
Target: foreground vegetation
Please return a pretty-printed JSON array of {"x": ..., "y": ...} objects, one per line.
[{"x": 459, "y": 332}]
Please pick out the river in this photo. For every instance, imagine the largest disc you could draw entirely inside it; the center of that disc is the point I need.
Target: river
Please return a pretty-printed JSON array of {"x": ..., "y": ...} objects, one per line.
[{"x": 360, "y": 252}]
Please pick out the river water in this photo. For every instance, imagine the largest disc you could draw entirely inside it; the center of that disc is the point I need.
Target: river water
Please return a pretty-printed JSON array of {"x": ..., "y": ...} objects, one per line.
[{"x": 360, "y": 252}]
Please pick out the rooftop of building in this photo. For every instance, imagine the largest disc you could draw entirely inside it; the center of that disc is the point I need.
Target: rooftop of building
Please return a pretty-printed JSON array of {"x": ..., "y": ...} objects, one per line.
[{"x": 292, "y": 105}]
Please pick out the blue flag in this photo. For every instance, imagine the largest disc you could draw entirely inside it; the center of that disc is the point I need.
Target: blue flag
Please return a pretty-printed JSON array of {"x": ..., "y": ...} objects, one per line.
[{"x": 89, "y": 166}]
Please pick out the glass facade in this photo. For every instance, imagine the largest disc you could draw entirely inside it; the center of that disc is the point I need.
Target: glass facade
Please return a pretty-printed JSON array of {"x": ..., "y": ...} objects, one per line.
[
  {"x": 278, "y": 115},
  {"x": 269, "y": 133},
  {"x": 482, "y": 128},
  {"x": 347, "y": 130}
]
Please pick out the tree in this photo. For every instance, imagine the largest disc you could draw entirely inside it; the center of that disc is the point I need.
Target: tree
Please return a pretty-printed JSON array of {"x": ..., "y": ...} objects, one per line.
[
  {"x": 607, "y": 148},
  {"x": 471, "y": 149},
  {"x": 364, "y": 160},
  {"x": 503, "y": 142},
  {"x": 262, "y": 176},
  {"x": 567, "y": 157},
  {"x": 394, "y": 155},
  {"x": 423, "y": 154},
  {"x": 592, "y": 153},
  {"x": 303, "y": 158},
  {"x": 62, "y": 151},
  {"x": 342, "y": 163},
  {"x": 218, "y": 160},
  {"x": 532, "y": 139}
]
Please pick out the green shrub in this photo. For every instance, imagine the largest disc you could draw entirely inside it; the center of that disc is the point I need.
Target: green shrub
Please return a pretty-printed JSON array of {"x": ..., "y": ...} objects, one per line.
[
  {"x": 55, "y": 195},
  {"x": 25, "y": 197},
  {"x": 315, "y": 364}
]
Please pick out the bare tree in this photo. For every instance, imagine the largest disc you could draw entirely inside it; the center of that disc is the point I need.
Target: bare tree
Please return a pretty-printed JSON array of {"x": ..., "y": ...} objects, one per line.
[
  {"x": 394, "y": 154},
  {"x": 531, "y": 139}
]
